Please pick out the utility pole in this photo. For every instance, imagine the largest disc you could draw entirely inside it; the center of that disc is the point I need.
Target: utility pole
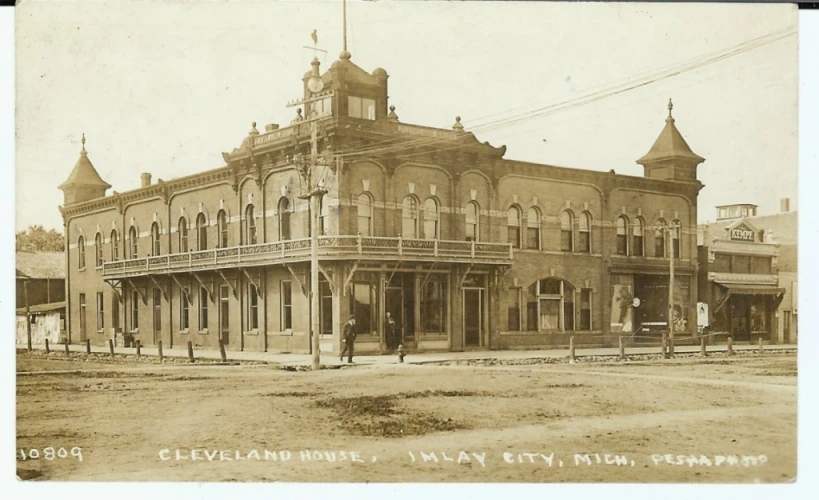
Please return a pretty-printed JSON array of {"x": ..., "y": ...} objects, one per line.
[
  {"x": 28, "y": 312},
  {"x": 670, "y": 245},
  {"x": 313, "y": 190}
]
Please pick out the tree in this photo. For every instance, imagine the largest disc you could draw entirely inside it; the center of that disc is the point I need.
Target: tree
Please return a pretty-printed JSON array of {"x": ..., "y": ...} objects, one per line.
[{"x": 37, "y": 239}]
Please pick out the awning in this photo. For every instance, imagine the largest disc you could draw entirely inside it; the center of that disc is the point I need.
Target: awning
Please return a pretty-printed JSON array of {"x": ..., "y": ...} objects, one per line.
[{"x": 747, "y": 289}]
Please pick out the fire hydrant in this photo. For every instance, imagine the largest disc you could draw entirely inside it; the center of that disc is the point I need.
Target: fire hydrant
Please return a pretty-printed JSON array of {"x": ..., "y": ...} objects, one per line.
[{"x": 401, "y": 353}]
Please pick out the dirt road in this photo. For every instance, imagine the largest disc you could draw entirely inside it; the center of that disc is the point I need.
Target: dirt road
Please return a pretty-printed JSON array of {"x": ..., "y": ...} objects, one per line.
[{"x": 725, "y": 420}]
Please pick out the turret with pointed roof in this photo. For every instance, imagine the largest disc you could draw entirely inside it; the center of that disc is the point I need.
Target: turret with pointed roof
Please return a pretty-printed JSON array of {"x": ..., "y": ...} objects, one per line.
[
  {"x": 83, "y": 183},
  {"x": 670, "y": 157}
]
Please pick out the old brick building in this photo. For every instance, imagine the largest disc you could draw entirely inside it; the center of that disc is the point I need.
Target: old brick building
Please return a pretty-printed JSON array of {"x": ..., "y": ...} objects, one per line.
[{"x": 465, "y": 249}]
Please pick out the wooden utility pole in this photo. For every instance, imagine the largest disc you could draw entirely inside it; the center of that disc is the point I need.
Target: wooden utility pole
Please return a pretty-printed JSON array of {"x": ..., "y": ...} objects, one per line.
[{"x": 670, "y": 245}]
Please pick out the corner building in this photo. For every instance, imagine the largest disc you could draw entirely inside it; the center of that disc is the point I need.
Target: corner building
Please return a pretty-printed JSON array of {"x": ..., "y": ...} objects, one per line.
[{"x": 464, "y": 249}]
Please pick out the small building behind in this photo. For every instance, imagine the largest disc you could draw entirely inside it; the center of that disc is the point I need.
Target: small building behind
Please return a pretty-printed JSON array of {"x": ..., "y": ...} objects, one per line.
[
  {"x": 45, "y": 274},
  {"x": 47, "y": 322},
  {"x": 748, "y": 273}
]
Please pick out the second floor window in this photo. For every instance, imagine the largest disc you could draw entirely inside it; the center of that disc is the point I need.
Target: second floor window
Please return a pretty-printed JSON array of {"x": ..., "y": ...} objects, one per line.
[
  {"x": 659, "y": 238},
  {"x": 183, "y": 235},
  {"x": 132, "y": 236},
  {"x": 637, "y": 245},
  {"x": 201, "y": 232},
  {"x": 566, "y": 231},
  {"x": 622, "y": 235},
  {"x": 284, "y": 219},
  {"x": 250, "y": 221},
  {"x": 155, "y": 240},
  {"x": 81, "y": 253},
  {"x": 114, "y": 245},
  {"x": 365, "y": 214},
  {"x": 409, "y": 218},
  {"x": 472, "y": 214},
  {"x": 430, "y": 219},
  {"x": 98, "y": 250},
  {"x": 533, "y": 229},
  {"x": 222, "y": 226},
  {"x": 584, "y": 233},
  {"x": 513, "y": 226}
]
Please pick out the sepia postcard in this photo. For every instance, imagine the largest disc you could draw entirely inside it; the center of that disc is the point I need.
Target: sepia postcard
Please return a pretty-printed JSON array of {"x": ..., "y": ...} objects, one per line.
[{"x": 351, "y": 241}]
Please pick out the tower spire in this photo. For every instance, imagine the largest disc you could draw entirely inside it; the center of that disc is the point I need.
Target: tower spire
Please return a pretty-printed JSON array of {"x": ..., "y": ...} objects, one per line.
[
  {"x": 670, "y": 107},
  {"x": 83, "y": 144}
]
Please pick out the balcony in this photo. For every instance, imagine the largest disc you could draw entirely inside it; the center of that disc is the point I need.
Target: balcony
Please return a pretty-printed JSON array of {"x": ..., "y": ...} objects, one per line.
[{"x": 370, "y": 248}]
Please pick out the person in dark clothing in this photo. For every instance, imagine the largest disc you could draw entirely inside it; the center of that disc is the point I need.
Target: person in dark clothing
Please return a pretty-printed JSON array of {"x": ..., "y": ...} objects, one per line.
[
  {"x": 389, "y": 333},
  {"x": 348, "y": 338}
]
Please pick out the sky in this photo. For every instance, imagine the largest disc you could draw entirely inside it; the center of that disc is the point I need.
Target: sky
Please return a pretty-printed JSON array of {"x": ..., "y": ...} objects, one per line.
[{"x": 165, "y": 87}]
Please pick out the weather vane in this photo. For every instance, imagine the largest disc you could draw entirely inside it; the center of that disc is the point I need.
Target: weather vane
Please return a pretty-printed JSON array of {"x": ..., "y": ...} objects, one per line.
[{"x": 314, "y": 36}]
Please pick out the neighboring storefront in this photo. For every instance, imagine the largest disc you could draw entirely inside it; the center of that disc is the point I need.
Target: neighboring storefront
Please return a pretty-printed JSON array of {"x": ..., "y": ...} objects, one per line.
[{"x": 739, "y": 281}]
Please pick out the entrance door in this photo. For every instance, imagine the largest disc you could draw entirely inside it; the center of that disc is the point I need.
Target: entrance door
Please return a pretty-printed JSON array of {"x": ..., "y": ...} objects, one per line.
[
  {"x": 157, "y": 303},
  {"x": 394, "y": 306},
  {"x": 740, "y": 313},
  {"x": 473, "y": 316},
  {"x": 224, "y": 314}
]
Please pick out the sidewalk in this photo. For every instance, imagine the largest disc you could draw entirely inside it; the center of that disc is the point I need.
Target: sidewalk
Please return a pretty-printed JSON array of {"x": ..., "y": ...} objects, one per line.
[{"x": 421, "y": 358}]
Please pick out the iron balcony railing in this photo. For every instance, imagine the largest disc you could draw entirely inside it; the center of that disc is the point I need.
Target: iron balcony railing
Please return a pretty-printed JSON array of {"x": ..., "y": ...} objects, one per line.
[{"x": 329, "y": 247}]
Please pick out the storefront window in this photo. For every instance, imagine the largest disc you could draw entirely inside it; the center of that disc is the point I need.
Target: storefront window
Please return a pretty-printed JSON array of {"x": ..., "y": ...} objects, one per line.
[
  {"x": 622, "y": 312},
  {"x": 433, "y": 305},
  {"x": 513, "y": 309},
  {"x": 585, "y": 309},
  {"x": 550, "y": 305}
]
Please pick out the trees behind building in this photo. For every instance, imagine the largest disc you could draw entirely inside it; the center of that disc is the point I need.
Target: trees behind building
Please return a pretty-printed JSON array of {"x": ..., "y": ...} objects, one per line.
[{"x": 37, "y": 239}]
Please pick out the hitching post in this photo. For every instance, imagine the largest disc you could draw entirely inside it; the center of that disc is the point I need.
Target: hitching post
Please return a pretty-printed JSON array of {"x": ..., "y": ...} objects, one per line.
[
  {"x": 138, "y": 350},
  {"x": 760, "y": 345},
  {"x": 222, "y": 351},
  {"x": 46, "y": 344},
  {"x": 111, "y": 347},
  {"x": 622, "y": 348},
  {"x": 730, "y": 346},
  {"x": 702, "y": 347},
  {"x": 190, "y": 351},
  {"x": 159, "y": 350},
  {"x": 571, "y": 349},
  {"x": 88, "y": 346}
]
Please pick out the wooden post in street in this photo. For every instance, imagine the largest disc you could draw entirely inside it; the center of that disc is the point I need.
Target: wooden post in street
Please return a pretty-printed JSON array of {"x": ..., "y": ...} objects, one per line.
[
  {"x": 571, "y": 349},
  {"x": 28, "y": 314},
  {"x": 190, "y": 351},
  {"x": 111, "y": 347},
  {"x": 760, "y": 345},
  {"x": 159, "y": 350},
  {"x": 703, "y": 352},
  {"x": 665, "y": 346},
  {"x": 138, "y": 350},
  {"x": 46, "y": 345},
  {"x": 730, "y": 346},
  {"x": 622, "y": 348},
  {"x": 222, "y": 351},
  {"x": 67, "y": 351},
  {"x": 87, "y": 346}
]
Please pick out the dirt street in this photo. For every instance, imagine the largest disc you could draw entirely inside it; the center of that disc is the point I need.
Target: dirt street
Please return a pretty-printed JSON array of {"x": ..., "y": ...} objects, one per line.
[{"x": 684, "y": 420}]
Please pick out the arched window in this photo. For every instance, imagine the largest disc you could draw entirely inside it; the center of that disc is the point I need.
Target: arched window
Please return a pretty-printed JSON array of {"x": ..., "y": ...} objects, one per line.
[
  {"x": 324, "y": 210},
  {"x": 675, "y": 238},
  {"x": 566, "y": 231},
  {"x": 98, "y": 250},
  {"x": 550, "y": 305},
  {"x": 250, "y": 226},
  {"x": 533, "y": 229},
  {"x": 81, "y": 253},
  {"x": 637, "y": 245},
  {"x": 622, "y": 235},
  {"x": 513, "y": 226},
  {"x": 430, "y": 219},
  {"x": 472, "y": 221},
  {"x": 114, "y": 245},
  {"x": 584, "y": 233},
  {"x": 222, "y": 228},
  {"x": 659, "y": 238},
  {"x": 201, "y": 232},
  {"x": 409, "y": 217},
  {"x": 284, "y": 218},
  {"x": 132, "y": 237},
  {"x": 155, "y": 239},
  {"x": 365, "y": 214},
  {"x": 183, "y": 235}
]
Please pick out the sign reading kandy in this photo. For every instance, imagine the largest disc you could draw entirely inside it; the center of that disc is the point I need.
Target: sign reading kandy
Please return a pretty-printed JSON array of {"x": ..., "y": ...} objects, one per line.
[{"x": 742, "y": 233}]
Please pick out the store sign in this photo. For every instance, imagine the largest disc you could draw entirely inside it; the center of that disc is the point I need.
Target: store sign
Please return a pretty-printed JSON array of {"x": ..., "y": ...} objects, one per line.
[{"x": 742, "y": 233}]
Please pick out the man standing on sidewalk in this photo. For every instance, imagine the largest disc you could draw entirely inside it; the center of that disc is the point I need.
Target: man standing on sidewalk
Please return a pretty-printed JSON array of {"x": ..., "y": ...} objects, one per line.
[{"x": 348, "y": 338}]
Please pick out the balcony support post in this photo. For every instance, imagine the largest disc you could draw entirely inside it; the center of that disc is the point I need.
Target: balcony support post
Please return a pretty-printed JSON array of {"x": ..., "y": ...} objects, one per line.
[{"x": 350, "y": 275}]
